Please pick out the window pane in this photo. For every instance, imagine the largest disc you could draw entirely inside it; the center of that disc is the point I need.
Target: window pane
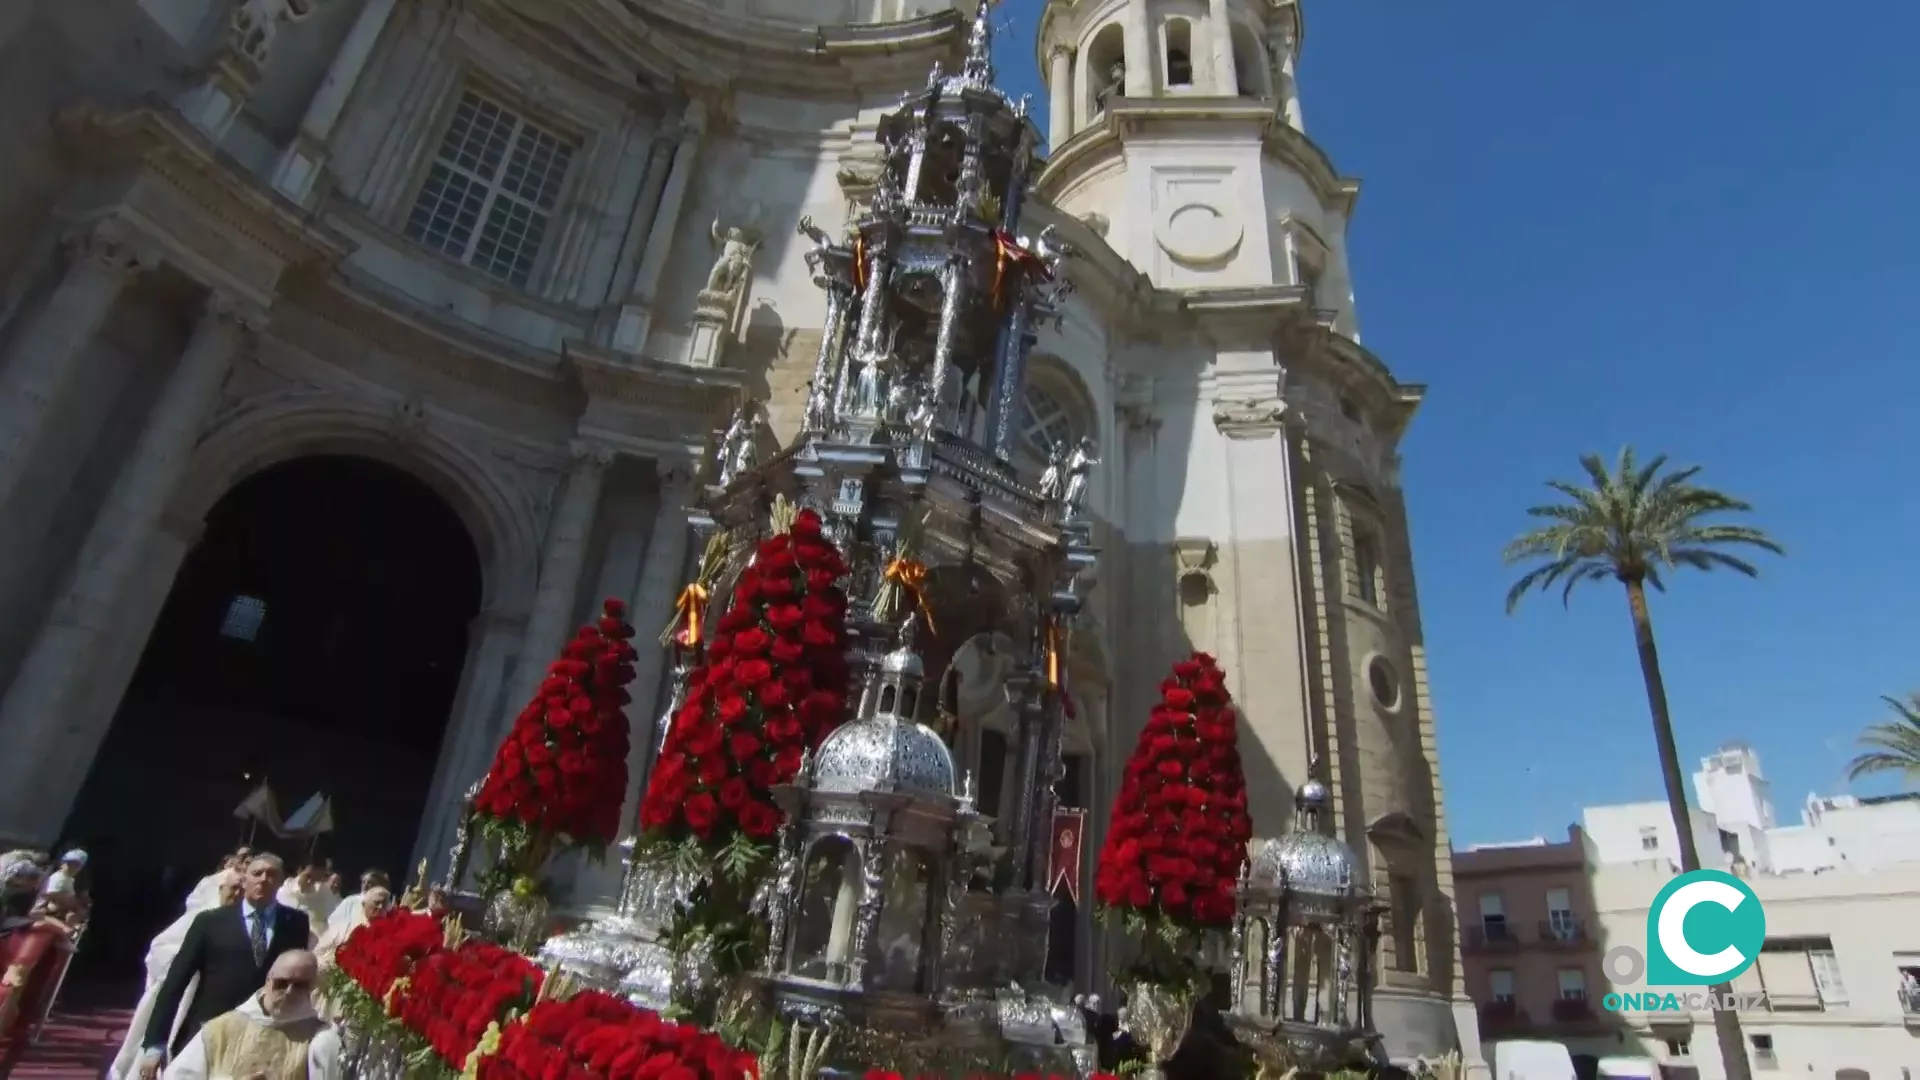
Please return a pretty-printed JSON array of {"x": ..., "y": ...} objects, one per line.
[
  {"x": 243, "y": 618},
  {"x": 1500, "y": 981},
  {"x": 1490, "y": 904},
  {"x": 1573, "y": 983}
]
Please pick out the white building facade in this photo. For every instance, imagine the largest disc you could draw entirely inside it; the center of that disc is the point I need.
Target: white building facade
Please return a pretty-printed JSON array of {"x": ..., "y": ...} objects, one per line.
[{"x": 525, "y": 257}]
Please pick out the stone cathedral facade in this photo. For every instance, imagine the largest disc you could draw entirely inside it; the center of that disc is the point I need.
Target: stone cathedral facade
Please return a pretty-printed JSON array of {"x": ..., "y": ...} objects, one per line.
[{"x": 533, "y": 252}]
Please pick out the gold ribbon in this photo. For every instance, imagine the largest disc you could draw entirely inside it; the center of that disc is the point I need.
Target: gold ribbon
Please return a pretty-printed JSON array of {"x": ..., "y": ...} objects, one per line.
[
  {"x": 685, "y": 626},
  {"x": 911, "y": 575},
  {"x": 1053, "y": 654},
  {"x": 859, "y": 263}
]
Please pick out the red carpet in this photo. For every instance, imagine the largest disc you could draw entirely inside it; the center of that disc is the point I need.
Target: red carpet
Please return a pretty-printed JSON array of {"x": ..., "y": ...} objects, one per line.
[{"x": 78, "y": 1042}]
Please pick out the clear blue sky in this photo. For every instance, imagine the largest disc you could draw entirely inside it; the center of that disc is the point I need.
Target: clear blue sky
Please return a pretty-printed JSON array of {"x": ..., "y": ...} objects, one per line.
[{"x": 1685, "y": 226}]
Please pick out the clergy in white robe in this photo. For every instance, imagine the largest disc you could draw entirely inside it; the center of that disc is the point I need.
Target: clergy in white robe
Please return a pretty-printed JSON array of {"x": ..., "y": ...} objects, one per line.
[
  {"x": 370, "y": 906},
  {"x": 275, "y": 1035},
  {"x": 160, "y": 954},
  {"x": 343, "y": 912},
  {"x": 307, "y": 891},
  {"x": 206, "y": 894}
]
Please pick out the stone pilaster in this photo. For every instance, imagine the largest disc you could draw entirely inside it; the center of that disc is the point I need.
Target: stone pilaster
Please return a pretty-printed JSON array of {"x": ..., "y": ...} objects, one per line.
[
  {"x": 1059, "y": 95},
  {"x": 561, "y": 562},
  {"x": 52, "y": 741},
  {"x": 1223, "y": 78},
  {"x": 40, "y": 369},
  {"x": 493, "y": 638},
  {"x": 298, "y": 170},
  {"x": 636, "y": 315}
]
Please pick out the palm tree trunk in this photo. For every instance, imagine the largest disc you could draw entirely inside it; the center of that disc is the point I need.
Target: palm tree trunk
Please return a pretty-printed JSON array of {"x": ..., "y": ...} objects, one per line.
[{"x": 1726, "y": 1022}]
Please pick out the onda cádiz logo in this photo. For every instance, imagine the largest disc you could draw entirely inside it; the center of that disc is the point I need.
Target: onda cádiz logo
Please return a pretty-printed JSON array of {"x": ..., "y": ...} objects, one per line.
[{"x": 1704, "y": 928}]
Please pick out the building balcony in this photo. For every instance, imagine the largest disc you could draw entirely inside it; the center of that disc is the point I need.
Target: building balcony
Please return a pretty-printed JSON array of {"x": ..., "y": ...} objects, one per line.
[
  {"x": 1910, "y": 1005},
  {"x": 1569, "y": 1010},
  {"x": 1503, "y": 1017},
  {"x": 1489, "y": 938},
  {"x": 1568, "y": 935}
]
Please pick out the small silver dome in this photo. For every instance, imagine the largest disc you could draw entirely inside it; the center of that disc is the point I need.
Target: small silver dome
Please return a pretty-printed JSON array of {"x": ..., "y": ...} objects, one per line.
[
  {"x": 1306, "y": 860},
  {"x": 884, "y": 755},
  {"x": 903, "y": 662}
]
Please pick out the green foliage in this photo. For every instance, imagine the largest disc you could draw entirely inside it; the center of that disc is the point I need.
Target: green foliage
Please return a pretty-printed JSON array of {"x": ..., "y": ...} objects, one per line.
[
  {"x": 1893, "y": 745},
  {"x": 1631, "y": 525}
]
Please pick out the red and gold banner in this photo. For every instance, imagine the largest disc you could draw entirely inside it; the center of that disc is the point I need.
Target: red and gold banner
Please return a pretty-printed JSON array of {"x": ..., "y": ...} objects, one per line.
[{"x": 1069, "y": 834}]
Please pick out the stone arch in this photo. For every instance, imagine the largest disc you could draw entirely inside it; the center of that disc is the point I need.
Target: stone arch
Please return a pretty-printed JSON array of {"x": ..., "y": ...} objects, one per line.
[
  {"x": 1057, "y": 400},
  {"x": 500, "y": 520}
]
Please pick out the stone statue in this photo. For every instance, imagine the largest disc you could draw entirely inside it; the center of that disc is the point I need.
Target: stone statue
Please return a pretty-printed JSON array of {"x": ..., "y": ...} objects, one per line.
[
  {"x": 1053, "y": 482},
  {"x": 1079, "y": 469},
  {"x": 737, "y": 246},
  {"x": 256, "y": 22},
  {"x": 1116, "y": 84},
  {"x": 738, "y": 447}
]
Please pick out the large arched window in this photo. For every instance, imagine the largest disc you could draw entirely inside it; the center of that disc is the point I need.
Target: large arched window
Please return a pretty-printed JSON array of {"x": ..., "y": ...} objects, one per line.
[{"x": 1045, "y": 421}]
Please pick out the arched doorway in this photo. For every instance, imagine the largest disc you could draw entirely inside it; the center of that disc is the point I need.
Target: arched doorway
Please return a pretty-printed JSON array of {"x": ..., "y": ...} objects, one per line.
[{"x": 313, "y": 639}]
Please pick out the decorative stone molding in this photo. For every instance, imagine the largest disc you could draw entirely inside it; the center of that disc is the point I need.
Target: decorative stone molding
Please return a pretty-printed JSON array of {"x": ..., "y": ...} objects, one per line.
[
  {"x": 1249, "y": 419},
  {"x": 1194, "y": 558},
  {"x": 114, "y": 245},
  {"x": 590, "y": 455}
]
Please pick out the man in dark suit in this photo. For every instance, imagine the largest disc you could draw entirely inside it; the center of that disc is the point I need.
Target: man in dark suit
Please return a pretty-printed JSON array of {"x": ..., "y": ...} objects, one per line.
[{"x": 230, "y": 948}]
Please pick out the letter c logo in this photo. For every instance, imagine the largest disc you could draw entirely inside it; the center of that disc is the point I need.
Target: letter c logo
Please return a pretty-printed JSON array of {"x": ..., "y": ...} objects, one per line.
[{"x": 1737, "y": 930}]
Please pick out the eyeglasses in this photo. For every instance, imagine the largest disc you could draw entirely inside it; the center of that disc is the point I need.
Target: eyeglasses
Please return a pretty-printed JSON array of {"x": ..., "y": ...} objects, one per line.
[{"x": 284, "y": 986}]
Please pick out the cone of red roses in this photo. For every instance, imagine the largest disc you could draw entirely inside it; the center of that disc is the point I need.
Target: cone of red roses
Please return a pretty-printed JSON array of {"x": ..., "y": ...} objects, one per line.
[
  {"x": 559, "y": 777},
  {"x": 455, "y": 995},
  {"x": 771, "y": 685},
  {"x": 1176, "y": 842},
  {"x": 592, "y": 1034},
  {"x": 374, "y": 960}
]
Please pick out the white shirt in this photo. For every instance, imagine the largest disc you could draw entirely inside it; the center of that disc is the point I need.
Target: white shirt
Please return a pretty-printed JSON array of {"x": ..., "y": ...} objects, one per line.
[
  {"x": 248, "y": 913},
  {"x": 323, "y": 1053}
]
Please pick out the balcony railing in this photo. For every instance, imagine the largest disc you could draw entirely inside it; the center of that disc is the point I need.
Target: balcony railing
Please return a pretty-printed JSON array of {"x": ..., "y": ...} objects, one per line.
[
  {"x": 1910, "y": 1004},
  {"x": 1565, "y": 934},
  {"x": 1570, "y": 1010},
  {"x": 1489, "y": 937},
  {"x": 1504, "y": 1015}
]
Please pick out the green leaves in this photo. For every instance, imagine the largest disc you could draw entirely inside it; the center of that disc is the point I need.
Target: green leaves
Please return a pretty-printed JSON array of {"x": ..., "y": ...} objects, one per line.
[
  {"x": 1630, "y": 524},
  {"x": 1893, "y": 745}
]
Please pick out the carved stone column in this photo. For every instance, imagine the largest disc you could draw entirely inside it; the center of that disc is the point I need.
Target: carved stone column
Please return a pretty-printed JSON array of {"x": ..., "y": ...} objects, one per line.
[
  {"x": 40, "y": 369},
  {"x": 50, "y": 741},
  {"x": 661, "y": 577},
  {"x": 300, "y": 163},
  {"x": 636, "y": 315},
  {"x": 562, "y": 559},
  {"x": 1140, "y": 53},
  {"x": 224, "y": 87},
  {"x": 1059, "y": 96}
]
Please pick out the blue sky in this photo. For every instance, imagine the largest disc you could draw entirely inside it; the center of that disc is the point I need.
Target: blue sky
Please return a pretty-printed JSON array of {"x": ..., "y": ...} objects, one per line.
[{"x": 1684, "y": 226}]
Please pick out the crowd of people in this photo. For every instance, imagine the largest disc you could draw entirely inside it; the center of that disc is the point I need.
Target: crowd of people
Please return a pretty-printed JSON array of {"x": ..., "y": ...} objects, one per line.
[{"x": 230, "y": 984}]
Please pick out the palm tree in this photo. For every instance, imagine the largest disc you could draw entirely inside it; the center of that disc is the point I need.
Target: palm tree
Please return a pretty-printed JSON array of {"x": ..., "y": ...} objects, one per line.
[
  {"x": 1895, "y": 742},
  {"x": 1633, "y": 525}
]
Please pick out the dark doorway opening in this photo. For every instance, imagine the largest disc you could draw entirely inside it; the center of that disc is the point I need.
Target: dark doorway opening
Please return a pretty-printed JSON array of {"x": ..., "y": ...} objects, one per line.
[{"x": 313, "y": 640}]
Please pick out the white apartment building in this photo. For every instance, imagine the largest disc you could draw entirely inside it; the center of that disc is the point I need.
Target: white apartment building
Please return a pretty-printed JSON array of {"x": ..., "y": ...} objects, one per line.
[
  {"x": 1734, "y": 824},
  {"x": 1839, "y": 969}
]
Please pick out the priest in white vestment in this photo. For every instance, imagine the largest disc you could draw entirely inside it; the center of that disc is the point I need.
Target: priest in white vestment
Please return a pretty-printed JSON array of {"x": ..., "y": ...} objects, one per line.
[
  {"x": 160, "y": 954},
  {"x": 343, "y": 912},
  {"x": 307, "y": 891},
  {"x": 370, "y": 906},
  {"x": 274, "y": 1035},
  {"x": 206, "y": 894}
]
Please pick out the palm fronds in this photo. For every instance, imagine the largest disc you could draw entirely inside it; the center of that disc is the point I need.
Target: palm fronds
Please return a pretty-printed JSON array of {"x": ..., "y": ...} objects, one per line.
[{"x": 1893, "y": 745}]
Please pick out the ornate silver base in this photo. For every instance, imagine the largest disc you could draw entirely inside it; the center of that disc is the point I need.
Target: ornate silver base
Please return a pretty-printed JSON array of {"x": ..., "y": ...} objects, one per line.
[
  {"x": 626, "y": 953},
  {"x": 371, "y": 1055},
  {"x": 1289, "y": 1045}
]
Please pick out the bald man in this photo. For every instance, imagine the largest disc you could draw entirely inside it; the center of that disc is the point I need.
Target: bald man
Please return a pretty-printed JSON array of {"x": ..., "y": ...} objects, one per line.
[{"x": 274, "y": 1035}]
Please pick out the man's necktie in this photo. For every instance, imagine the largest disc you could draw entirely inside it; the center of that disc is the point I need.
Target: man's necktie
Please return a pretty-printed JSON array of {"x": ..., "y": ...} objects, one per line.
[{"x": 259, "y": 938}]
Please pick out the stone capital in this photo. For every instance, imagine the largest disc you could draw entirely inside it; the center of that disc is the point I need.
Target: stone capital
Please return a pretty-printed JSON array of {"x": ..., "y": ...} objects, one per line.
[
  {"x": 1252, "y": 418},
  {"x": 590, "y": 456},
  {"x": 1058, "y": 52},
  {"x": 113, "y": 246},
  {"x": 234, "y": 312},
  {"x": 675, "y": 474}
]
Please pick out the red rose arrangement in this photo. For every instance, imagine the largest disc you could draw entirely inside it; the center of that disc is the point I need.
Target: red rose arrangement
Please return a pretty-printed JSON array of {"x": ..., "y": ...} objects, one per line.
[
  {"x": 597, "y": 1035},
  {"x": 384, "y": 951},
  {"x": 1179, "y": 829},
  {"x": 560, "y": 775},
  {"x": 453, "y": 996},
  {"x": 773, "y": 683},
  {"x": 883, "y": 1074}
]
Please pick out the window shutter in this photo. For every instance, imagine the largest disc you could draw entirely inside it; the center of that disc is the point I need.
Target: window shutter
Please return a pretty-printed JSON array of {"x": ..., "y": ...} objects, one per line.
[{"x": 1788, "y": 977}]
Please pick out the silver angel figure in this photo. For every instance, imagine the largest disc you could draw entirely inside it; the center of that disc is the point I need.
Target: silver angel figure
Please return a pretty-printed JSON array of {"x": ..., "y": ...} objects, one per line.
[
  {"x": 1079, "y": 470},
  {"x": 1053, "y": 482},
  {"x": 736, "y": 452}
]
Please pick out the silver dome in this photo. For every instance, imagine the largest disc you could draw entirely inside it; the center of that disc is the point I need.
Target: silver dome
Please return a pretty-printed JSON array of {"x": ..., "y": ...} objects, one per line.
[
  {"x": 903, "y": 662},
  {"x": 884, "y": 755},
  {"x": 1305, "y": 860}
]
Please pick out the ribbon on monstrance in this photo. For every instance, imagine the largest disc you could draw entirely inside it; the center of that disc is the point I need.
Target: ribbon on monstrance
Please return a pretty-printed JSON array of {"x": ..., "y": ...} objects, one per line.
[
  {"x": 910, "y": 575},
  {"x": 1056, "y": 645},
  {"x": 859, "y": 263},
  {"x": 1009, "y": 252},
  {"x": 1063, "y": 862},
  {"x": 687, "y": 628}
]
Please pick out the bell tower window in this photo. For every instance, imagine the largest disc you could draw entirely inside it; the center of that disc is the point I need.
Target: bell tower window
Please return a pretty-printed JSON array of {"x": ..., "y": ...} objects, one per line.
[{"x": 1179, "y": 52}]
